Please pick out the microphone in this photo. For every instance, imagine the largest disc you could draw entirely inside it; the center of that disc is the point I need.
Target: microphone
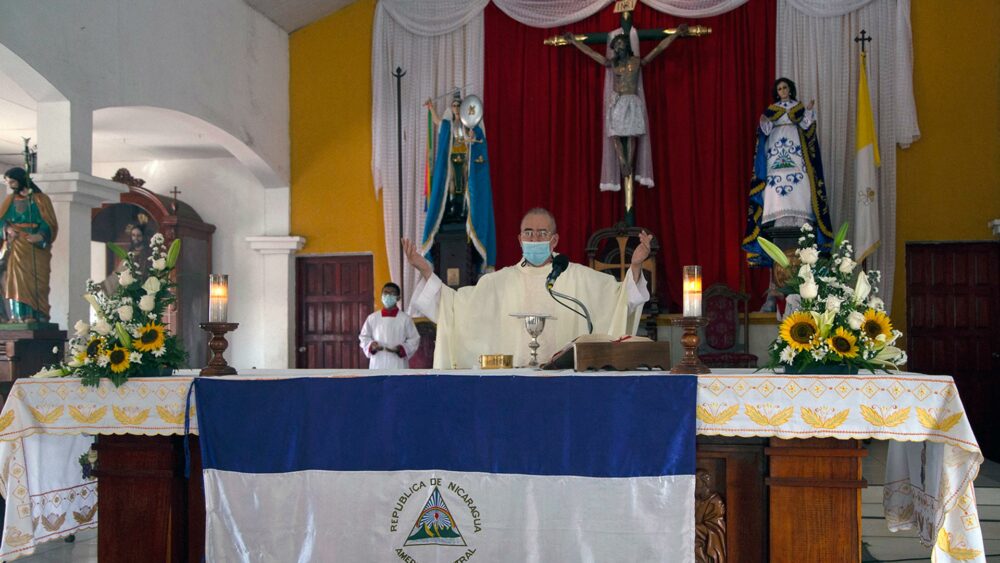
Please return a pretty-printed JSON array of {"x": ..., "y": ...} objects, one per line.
[{"x": 559, "y": 264}]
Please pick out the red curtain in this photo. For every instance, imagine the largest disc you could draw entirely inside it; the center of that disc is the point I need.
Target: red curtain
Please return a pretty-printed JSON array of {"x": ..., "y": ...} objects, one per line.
[{"x": 704, "y": 96}]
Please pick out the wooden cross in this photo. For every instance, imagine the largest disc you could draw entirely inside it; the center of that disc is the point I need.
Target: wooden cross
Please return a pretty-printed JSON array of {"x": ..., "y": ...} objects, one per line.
[
  {"x": 862, "y": 38},
  {"x": 173, "y": 207}
]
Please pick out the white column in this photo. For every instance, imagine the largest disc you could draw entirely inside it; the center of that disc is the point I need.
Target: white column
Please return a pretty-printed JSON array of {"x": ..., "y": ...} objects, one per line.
[
  {"x": 73, "y": 195},
  {"x": 278, "y": 307}
]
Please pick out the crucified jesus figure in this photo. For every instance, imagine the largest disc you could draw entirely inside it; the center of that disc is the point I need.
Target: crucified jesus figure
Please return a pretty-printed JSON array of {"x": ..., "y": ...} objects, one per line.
[{"x": 625, "y": 118}]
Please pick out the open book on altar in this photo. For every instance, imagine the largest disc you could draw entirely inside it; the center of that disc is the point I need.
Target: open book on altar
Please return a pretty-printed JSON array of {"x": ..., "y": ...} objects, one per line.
[{"x": 602, "y": 352}]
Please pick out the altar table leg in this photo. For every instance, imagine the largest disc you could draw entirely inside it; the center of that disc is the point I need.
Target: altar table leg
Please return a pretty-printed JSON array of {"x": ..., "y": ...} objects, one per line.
[
  {"x": 815, "y": 500},
  {"x": 147, "y": 510}
]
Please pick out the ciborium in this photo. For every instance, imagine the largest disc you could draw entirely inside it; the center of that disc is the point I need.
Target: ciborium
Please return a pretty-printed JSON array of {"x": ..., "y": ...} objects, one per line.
[{"x": 533, "y": 323}]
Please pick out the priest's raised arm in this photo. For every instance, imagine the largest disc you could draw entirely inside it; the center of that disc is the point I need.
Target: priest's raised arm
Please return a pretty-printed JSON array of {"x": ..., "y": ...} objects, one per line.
[{"x": 477, "y": 320}]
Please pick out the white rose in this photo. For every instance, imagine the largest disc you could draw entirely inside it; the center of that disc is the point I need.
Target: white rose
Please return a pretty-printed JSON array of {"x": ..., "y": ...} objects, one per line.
[
  {"x": 152, "y": 285},
  {"x": 159, "y": 263},
  {"x": 876, "y": 303},
  {"x": 125, "y": 278},
  {"x": 805, "y": 272},
  {"x": 125, "y": 313},
  {"x": 832, "y": 303},
  {"x": 147, "y": 303},
  {"x": 808, "y": 255},
  {"x": 855, "y": 320},
  {"x": 808, "y": 290},
  {"x": 846, "y": 265},
  {"x": 81, "y": 327},
  {"x": 102, "y": 327}
]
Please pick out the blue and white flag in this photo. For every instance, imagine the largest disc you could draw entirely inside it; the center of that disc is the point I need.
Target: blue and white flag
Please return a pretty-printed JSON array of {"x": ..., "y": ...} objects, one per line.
[{"x": 443, "y": 468}]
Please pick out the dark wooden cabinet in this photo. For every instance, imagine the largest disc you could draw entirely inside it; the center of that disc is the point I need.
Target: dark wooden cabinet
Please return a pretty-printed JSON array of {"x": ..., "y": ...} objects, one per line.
[
  {"x": 23, "y": 352},
  {"x": 953, "y": 324}
]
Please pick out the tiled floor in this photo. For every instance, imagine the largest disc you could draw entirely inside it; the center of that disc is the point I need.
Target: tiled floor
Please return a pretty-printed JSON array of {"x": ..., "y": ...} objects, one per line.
[{"x": 880, "y": 545}]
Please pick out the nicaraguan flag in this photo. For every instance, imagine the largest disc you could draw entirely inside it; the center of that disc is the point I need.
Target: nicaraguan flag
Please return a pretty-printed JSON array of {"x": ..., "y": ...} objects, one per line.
[
  {"x": 444, "y": 468},
  {"x": 866, "y": 219}
]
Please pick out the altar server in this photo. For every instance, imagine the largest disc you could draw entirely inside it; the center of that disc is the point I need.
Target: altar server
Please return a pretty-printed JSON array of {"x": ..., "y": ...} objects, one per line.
[{"x": 389, "y": 337}]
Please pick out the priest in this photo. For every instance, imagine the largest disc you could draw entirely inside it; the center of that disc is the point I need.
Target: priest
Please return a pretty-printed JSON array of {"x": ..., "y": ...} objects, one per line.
[{"x": 477, "y": 320}]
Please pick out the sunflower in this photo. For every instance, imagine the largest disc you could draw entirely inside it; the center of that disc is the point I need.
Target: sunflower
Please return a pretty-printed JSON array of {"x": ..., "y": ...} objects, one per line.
[
  {"x": 876, "y": 323},
  {"x": 118, "y": 359},
  {"x": 94, "y": 347},
  {"x": 843, "y": 343},
  {"x": 798, "y": 331},
  {"x": 150, "y": 337}
]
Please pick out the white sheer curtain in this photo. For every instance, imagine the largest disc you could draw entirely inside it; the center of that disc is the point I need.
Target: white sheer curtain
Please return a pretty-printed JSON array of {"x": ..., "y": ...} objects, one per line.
[
  {"x": 439, "y": 44},
  {"x": 816, "y": 49}
]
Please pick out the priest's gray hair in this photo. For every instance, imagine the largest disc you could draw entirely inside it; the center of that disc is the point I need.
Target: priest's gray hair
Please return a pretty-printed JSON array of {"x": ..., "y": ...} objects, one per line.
[{"x": 542, "y": 211}]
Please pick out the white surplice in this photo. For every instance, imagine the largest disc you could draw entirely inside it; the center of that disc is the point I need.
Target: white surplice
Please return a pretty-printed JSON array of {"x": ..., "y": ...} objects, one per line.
[
  {"x": 390, "y": 332},
  {"x": 477, "y": 320}
]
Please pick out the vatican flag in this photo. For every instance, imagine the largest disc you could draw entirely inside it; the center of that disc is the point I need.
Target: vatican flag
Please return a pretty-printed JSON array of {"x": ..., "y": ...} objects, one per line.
[{"x": 866, "y": 218}]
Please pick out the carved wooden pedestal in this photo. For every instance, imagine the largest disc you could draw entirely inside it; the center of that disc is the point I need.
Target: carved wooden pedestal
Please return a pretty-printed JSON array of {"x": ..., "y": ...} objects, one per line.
[{"x": 25, "y": 349}]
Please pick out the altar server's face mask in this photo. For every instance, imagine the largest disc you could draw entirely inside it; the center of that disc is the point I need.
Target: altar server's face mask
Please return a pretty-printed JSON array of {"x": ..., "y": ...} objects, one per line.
[
  {"x": 536, "y": 252},
  {"x": 389, "y": 300}
]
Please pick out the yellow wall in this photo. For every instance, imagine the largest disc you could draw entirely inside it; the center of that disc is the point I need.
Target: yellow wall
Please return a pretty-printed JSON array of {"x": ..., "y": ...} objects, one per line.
[
  {"x": 333, "y": 201},
  {"x": 948, "y": 182}
]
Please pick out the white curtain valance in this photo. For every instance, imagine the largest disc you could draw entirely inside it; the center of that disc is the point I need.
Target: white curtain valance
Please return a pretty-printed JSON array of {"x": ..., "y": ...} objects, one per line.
[
  {"x": 827, "y": 8},
  {"x": 431, "y": 17}
]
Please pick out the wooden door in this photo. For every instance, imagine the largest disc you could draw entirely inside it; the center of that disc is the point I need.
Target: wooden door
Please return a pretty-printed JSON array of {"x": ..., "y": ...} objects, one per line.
[
  {"x": 334, "y": 295},
  {"x": 953, "y": 324}
]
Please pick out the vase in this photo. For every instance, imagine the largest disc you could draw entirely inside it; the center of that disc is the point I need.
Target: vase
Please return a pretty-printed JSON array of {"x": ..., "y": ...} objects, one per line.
[{"x": 822, "y": 369}]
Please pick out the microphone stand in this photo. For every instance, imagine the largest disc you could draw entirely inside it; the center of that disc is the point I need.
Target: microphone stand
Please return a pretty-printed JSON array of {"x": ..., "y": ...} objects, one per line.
[{"x": 586, "y": 312}]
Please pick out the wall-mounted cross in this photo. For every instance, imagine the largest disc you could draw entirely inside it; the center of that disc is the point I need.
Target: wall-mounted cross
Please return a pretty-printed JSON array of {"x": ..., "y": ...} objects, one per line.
[{"x": 173, "y": 206}]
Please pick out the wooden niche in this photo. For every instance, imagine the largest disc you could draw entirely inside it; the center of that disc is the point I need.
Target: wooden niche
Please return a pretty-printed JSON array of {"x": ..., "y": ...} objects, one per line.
[{"x": 131, "y": 223}]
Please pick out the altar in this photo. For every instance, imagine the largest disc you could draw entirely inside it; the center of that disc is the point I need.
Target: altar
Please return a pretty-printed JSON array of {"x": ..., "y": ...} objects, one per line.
[{"x": 778, "y": 460}]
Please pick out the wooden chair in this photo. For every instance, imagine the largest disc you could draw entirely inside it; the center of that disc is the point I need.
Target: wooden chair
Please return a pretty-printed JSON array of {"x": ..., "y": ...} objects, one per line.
[
  {"x": 610, "y": 251},
  {"x": 723, "y": 308}
]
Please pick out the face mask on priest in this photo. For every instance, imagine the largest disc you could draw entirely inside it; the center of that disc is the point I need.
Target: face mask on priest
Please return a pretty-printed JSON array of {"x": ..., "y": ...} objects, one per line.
[{"x": 538, "y": 237}]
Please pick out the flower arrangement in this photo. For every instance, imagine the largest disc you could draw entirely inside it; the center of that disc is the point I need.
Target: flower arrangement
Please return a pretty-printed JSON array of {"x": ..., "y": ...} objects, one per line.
[
  {"x": 837, "y": 322},
  {"x": 129, "y": 337}
]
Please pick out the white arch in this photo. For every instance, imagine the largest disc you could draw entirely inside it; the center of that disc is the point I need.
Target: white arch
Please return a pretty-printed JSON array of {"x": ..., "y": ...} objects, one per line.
[
  {"x": 33, "y": 83},
  {"x": 176, "y": 126}
]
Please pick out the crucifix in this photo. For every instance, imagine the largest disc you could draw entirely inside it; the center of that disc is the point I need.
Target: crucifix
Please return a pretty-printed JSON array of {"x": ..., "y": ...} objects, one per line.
[
  {"x": 863, "y": 38},
  {"x": 625, "y": 118},
  {"x": 173, "y": 206}
]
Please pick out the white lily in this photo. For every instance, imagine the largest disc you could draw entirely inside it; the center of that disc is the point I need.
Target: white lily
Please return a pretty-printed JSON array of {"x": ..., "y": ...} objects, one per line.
[
  {"x": 824, "y": 321},
  {"x": 51, "y": 372},
  {"x": 94, "y": 304},
  {"x": 889, "y": 356},
  {"x": 862, "y": 288},
  {"x": 81, "y": 327}
]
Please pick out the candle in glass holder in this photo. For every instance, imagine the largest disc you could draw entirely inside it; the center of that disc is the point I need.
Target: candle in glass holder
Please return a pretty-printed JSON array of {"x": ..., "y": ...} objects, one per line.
[
  {"x": 692, "y": 291},
  {"x": 218, "y": 297}
]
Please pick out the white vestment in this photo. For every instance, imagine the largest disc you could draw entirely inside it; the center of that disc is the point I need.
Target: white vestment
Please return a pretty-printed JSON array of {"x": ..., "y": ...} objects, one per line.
[
  {"x": 390, "y": 332},
  {"x": 476, "y": 320}
]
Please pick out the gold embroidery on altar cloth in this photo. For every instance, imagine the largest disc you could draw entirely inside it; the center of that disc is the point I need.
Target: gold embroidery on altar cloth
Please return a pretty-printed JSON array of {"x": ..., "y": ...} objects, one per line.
[
  {"x": 884, "y": 416},
  {"x": 130, "y": 416},
  {"x": 87, "y": 414},
  {"x": 46, "y": 417},
  {"x": 932, "y": 420},
  {"x": 5, "y": 420},
  {"x": 821, "y": 417}
]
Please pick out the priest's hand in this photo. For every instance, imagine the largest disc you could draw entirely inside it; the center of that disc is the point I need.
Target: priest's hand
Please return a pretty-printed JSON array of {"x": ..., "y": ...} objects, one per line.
[
  {"x": 640, "y": 254},
  {"x": 415, "y": 259}
]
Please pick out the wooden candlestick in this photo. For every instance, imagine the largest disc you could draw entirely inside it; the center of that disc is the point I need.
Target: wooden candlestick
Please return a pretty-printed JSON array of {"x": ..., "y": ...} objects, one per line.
[
  {"x": 690, "y": 362},
  {"x": 218, "y": 344}
]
